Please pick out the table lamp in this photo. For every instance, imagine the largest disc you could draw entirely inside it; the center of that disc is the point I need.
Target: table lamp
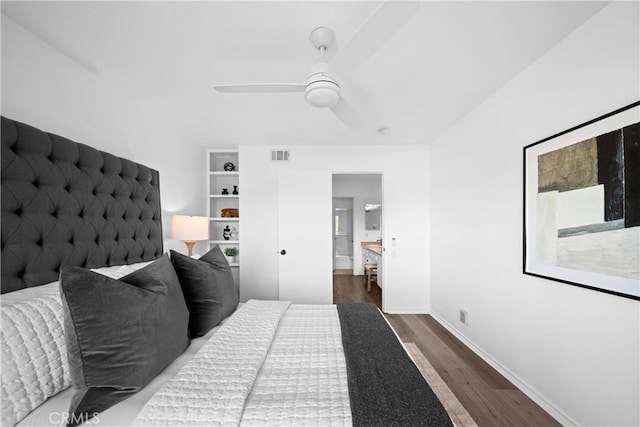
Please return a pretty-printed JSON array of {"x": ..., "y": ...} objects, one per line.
[{"x": 190, "y": 229}]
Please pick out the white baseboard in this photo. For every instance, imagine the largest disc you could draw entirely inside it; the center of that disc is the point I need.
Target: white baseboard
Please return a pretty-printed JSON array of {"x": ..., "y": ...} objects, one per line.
[
  {"x": 421, "y": 310},
  {"x": 556, "y": 413}
]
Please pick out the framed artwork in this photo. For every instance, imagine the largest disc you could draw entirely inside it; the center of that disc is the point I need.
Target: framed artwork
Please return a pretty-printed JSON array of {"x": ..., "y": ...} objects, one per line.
[{"x": 582, "y": 205}]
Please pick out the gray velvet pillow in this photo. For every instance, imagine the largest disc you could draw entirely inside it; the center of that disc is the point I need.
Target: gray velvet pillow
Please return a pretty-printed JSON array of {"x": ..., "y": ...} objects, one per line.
[
  {"x": 207, "y": 284},
  {"x": 120, "y": 333}
]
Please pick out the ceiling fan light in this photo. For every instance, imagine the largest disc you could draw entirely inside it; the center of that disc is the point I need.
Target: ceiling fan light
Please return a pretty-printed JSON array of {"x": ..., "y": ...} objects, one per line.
[{"x": 322, "y": 94}]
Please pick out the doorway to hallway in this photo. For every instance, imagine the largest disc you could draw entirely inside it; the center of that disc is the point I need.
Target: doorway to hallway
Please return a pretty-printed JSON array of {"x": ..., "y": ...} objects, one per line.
[{"x": 356, "y": 225}]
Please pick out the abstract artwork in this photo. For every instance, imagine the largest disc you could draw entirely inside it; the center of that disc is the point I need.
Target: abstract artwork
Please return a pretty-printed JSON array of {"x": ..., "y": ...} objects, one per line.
[{"x": 582, "y": 205}]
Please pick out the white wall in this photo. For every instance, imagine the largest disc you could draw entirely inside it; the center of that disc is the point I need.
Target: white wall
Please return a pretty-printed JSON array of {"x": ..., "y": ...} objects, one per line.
[
  {"x": 405, "y": 195},
  {"x": 362, "y": 189},
  {"x": 46, "y": 89},
  {"x": 576, "y": 351}
]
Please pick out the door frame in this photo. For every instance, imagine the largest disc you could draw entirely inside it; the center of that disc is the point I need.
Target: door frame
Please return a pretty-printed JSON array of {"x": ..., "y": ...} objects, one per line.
[{"x": 383, "y": 226}]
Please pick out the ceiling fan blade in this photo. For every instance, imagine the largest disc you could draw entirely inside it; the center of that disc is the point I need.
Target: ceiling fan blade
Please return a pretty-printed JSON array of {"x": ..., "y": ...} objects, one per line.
[
  {"x": 261, "y": 87},
  {"x": 383, "y": 23},
  {"x": 347, "y": 114}
]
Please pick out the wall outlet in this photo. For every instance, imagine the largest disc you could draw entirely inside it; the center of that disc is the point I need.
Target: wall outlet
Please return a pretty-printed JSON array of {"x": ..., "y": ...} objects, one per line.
[{"x": 464, "y": 317}]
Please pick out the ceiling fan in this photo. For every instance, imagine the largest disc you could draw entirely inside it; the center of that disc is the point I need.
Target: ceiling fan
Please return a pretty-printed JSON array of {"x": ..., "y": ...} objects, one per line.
[{"x": 322, "y": 87}]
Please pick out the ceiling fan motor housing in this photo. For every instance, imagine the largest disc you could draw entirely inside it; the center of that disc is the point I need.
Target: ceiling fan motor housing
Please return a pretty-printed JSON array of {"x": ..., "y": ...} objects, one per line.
[{"x": 322, "y": 91}]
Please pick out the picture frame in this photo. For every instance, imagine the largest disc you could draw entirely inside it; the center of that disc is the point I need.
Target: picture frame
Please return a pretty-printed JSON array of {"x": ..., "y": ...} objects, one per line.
[{"x": 581, "y": 205}]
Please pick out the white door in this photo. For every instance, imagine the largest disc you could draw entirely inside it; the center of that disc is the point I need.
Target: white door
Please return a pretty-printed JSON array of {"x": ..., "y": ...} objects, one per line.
[{"x": 305, "y": 237}]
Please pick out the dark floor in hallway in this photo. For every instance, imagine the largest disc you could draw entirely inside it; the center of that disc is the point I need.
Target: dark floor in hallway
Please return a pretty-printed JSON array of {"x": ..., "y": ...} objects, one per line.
[{"x": 349, "y": 288}]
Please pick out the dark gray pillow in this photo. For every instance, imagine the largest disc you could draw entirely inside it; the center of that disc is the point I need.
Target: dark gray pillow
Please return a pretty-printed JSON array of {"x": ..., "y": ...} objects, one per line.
[
  {"x": 208, "y": 288},
  {"x": 120, "y": 333}
]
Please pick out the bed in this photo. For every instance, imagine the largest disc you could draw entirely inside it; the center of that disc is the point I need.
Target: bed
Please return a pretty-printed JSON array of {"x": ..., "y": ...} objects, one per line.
[{"x": 101, "y": 327}]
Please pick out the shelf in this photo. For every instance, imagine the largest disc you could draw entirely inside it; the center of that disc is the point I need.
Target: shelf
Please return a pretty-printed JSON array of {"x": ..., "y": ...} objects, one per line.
[
  {"x": 218, "y": 179},
  {"x": 223, "y": 173}
]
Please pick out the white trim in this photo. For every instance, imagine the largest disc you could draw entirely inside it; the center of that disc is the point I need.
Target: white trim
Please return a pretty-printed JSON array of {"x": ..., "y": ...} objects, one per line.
[
  {"x": 419, "y": 310},
  {"x": 555, "y": 412}
]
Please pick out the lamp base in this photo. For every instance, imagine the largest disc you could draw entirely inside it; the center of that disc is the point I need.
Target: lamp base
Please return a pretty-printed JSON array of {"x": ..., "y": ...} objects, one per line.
[{"x": 190, "y": 244}]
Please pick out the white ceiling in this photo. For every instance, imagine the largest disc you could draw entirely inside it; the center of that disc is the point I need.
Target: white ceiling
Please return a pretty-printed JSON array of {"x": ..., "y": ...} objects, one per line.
[{"x": 447, "y": 59}]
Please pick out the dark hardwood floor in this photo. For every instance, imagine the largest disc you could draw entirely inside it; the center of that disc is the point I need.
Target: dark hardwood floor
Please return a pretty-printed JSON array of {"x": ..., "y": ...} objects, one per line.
[
  {"x": 349, "y": 288},
  {"x": 489, "y": 398}
]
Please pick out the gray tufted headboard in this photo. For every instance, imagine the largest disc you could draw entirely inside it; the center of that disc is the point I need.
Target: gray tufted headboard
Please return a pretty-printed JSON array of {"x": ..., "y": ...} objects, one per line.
[{"x": 68, "y": 203}]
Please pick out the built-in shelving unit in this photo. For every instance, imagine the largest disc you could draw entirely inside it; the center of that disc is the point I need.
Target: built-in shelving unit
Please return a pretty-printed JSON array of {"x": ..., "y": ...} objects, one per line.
[{"x": 223, "y": 174}]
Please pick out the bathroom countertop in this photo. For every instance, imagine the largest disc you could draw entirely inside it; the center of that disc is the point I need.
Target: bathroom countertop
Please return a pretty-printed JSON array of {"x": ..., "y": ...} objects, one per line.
[{"x": 375, "y": 247}]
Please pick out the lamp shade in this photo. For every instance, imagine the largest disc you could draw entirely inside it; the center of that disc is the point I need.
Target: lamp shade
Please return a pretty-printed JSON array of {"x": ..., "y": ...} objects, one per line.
[{"x": 185, "y": 227}]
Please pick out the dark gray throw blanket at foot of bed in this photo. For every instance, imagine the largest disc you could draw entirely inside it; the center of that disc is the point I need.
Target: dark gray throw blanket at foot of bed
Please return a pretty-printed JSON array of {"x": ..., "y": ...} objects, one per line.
[{"x": 385, "y": 386}]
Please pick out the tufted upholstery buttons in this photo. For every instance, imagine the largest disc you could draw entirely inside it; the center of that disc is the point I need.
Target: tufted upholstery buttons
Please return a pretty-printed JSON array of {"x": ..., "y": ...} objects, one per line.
[{"x": 45, "y": 189}]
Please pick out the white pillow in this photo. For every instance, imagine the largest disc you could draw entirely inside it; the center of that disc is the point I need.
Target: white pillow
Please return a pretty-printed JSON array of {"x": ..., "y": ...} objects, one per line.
[
  {"x": 118, "y": 271},
  {"x": 50, "y": 289},
  {"x": 33, "y": 350}
]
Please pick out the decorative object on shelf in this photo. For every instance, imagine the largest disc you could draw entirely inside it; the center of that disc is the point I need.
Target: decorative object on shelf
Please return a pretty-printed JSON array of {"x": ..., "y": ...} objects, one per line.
[
  {"x": 234, "y": 233},
  {"x": 581, "y": 205},
  {"x": 225, "y": 191},
  {"x": 229, "y": 167},
  {"x": 230, "y": 213},
  {"x": 190, "y": 229},
  {"x": 226, "y": 233},
  {"x": 235, "y": 189},
  {"x": 232, "y": 253}
]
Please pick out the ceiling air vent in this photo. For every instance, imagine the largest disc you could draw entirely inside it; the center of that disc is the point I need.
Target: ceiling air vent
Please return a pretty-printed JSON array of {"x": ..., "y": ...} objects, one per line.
[{"x": 280, "y": 155}]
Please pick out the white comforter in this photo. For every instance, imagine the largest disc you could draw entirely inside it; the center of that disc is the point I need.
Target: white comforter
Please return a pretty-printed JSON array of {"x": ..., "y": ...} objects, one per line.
[{"x": 270, "y": 361}]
